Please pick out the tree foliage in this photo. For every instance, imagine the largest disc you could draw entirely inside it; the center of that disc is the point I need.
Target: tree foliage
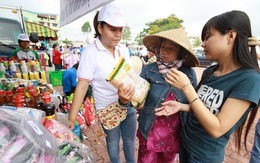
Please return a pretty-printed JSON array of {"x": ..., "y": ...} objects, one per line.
[
  {"x": 139, "y": 38},
  {"x": 163, "y": 24},
  {"x": 86, "y": 28},
  {"x": 67, "y": 42},
  {"x": 196, "y": 42},
  {"x": 126, "y": 35},
  {"x": 171, "y": 22}
]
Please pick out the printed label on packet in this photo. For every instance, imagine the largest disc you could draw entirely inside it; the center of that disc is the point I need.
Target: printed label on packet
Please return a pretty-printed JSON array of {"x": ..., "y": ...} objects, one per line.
[
  {"x": 35, "y": 127},
  {"x": 48, "y": 144}
]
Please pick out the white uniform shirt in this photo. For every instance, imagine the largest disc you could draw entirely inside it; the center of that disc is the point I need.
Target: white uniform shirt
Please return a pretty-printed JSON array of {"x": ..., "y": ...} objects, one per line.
[{"x": 95, "y": 65}]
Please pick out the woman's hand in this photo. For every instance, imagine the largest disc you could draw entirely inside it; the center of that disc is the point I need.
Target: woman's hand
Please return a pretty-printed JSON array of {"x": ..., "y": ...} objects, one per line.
[
  {"x": 125, "y": 93},
  {"x": 168, "y": 108},
  {"x": 71, "y": 125},
  {"x": 177, "y": 79}
]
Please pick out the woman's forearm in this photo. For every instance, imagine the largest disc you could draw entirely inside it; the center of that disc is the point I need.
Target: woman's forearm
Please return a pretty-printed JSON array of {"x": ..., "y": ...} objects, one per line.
[{"x": 78, "y": 98}]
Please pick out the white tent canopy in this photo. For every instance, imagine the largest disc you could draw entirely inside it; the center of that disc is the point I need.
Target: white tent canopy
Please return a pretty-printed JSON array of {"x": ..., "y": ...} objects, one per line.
[{"x": 71, "y": 10}]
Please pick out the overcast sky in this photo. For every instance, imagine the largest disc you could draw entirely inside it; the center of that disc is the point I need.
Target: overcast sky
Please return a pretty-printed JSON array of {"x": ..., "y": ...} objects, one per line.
[{"x": 194, "y": 13}]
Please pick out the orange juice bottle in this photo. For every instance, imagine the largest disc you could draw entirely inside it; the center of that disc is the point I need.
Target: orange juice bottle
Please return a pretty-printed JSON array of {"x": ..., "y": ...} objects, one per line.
[
  {"x": 31, "y": 74},
  {"x": 43, "y": 75},
  {"x": 18, "y": 75},
  {"x": 38, "y": 66},
  {"x": 36, "y": 75},
  {"x": 25, "y": 76}
]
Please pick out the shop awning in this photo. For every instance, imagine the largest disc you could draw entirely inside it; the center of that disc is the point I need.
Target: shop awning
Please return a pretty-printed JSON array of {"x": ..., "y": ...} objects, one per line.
[{"x": 42, "y": 31}]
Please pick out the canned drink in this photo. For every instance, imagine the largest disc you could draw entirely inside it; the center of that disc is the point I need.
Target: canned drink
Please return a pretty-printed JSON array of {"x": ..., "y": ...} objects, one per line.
[
  {"x": 43, "y": 75},
  {"x": 18, "y": 75},
  {"x": 36, "y": 75},
  {"x": 31, "y": 75},
  {"x": 25, "y": 76}
]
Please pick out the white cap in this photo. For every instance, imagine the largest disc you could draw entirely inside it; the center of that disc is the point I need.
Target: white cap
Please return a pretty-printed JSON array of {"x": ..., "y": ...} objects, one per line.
[
  {"x": 111, "y": 15},
  {"x": 23, "y": 37}
]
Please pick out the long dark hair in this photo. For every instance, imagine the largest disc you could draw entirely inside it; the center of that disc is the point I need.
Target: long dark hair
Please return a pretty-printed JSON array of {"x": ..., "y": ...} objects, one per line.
[
  {"x": 96, "y": 23},
  {"x": 243, "y": 54}
]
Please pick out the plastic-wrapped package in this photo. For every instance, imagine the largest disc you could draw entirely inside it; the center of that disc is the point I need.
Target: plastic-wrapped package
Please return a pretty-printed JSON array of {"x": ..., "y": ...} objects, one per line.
[
  {"x": 75, "y": 152},
  {"x": 58, "y": 130},
  {"x": 23, "y": 139},
  {"x": 31, "y": 112},
  {"x": 62, "y": 118},
  {"x": 55, "y": 97},
  {"x": 88, "y": 113}
]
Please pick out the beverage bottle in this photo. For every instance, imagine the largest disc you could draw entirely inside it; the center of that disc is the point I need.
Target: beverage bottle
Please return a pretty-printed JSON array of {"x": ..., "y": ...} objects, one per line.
[
  {"x": 25, "y": 76},
  {"x": 23, "y": 66},
  {"x": 76, "y": 129},
  {"x": 9, "y": 97},
  {"x": 18, "y": 101},
  {"x": 22, "y": 63},
  {"x": 12, "y": 66},
  {"x": 15, "y": 86},
  {"x": 28, "y": 65},
  {"x": 31, "y": 75},
  {"x": 36, "y": 100},
  {"x": 90, "y": 94},
  {"x": 43, "y": 75},
  {"x": 30, "y": 87},
  {"x": 9, "y": 86},
  {"x": 30, "y": 101},
  {"x": 18, "y": 75},
  {"x": 64, "y": 104},
  {"x": 2, "y": 67},
  {"x": 33, "y": 66},
  {"x": 20, "y": 91},
  {"x": 3, "y": 84},
  {"x": 5, "y": 62},
  {"x": 38, "y": 66},
  {"x": 20, "y": 97},
  {"x": 48, "y": 106},
  {"x": 36, "y": 75},
  {"x": 2, "y": 97}
]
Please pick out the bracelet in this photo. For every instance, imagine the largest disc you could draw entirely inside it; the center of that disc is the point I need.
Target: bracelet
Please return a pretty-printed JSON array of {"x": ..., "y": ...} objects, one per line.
[
  {"x": 185, "y": 86},
  {"x": 193, "y": 100}
]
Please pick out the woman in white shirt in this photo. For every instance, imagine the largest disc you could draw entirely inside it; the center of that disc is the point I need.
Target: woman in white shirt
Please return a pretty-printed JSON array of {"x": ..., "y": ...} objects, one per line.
[{"x": 96, "y": 63}]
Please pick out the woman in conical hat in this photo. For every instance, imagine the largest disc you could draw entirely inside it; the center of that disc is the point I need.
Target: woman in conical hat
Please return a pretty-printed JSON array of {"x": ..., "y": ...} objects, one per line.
[
  {"x": 227, "y": 97},
  {"x": 159, "y": 137}
]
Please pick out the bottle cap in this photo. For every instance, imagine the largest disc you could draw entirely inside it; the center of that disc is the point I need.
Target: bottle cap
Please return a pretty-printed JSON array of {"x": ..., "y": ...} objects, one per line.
[
  {"x": 46, "y": 98},
  {"x": 33, "y": 93},
  {"x": 2, "y": 92},
  {"x": 20, "y": 89},
  {"x": 9, "y": 92},
  {"x": 30, "y": 87}
]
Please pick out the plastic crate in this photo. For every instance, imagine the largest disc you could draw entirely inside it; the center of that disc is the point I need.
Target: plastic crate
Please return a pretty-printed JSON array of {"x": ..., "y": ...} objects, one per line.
[{"x": 55, "y": 78}]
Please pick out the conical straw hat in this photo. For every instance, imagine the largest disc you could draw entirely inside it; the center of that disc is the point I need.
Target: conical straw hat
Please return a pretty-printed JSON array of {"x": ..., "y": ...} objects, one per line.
[{"x": 178, "y": 36}]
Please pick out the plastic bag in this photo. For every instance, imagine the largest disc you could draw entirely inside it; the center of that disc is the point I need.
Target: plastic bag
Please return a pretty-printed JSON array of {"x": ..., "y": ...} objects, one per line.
[
  {"x": 62, "y": 118},
  {"x": 75, "y": 152},
  {"x": 58, "y": 130},
  {"x": 31, "y": 112},
  {"x": 23, "y": 139},
  {"x": 88, "y": 113}
]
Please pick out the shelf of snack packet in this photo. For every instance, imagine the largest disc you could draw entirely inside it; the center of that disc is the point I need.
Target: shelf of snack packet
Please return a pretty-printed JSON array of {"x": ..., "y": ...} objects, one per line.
[
  {"x": 34, "y": 124},
  {"x": 22, "y": 69}
]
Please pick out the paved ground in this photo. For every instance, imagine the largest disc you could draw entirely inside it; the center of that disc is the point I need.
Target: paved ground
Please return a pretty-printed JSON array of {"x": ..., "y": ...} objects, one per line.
[{"x": 98, "y": 145}]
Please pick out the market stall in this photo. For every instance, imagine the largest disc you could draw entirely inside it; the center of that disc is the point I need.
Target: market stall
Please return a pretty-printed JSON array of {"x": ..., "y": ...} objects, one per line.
[{"x": 34, "y": 118}]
